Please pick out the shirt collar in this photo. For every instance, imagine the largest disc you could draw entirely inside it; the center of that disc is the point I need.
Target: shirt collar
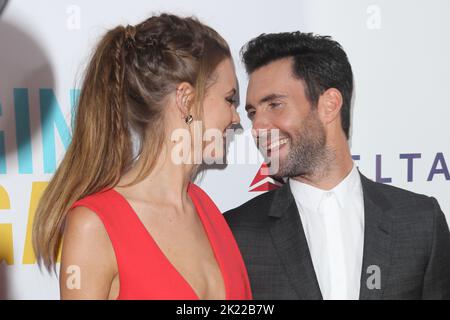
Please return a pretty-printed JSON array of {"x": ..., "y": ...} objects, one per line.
[
  {"x": 344, "y": 190},
  {"x": 310, "y": 197}
]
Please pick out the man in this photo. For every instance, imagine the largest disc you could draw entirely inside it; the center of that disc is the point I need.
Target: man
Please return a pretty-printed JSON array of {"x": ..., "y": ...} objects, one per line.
[{"x": 329, "y": 232}]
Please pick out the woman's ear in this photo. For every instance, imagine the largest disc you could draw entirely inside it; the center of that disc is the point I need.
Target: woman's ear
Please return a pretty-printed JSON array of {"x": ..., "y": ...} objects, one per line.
[
  {"x": 184, "y": 97},
  {"x": 330, "y": 104}
]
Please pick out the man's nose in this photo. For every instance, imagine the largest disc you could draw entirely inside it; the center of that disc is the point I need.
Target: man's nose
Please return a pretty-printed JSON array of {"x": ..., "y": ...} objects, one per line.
[{"x": 261, "y": 125}]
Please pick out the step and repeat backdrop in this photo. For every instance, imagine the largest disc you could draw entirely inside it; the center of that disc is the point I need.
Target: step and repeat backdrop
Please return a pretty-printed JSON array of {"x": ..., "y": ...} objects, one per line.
[{"x": 399, "y": 51}]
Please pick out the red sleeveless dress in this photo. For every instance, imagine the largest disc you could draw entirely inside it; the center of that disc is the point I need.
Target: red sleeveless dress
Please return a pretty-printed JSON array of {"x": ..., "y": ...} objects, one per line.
[{"x": 144, "y": 270}]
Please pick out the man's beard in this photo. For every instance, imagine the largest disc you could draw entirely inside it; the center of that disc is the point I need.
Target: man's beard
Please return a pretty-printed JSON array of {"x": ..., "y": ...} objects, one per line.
[{"x": 308, "y": 153}]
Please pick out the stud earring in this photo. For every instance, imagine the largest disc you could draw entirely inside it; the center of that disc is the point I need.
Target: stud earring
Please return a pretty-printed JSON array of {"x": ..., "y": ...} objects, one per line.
[{"x": 188, "y": 119}]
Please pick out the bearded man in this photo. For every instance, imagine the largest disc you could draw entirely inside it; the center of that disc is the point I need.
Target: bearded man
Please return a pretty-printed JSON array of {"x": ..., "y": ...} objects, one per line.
[{"x": 329, "y": 232}]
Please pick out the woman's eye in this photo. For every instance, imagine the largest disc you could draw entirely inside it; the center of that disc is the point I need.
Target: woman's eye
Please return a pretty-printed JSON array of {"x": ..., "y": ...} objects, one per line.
[{"x": 231, "y": 101}]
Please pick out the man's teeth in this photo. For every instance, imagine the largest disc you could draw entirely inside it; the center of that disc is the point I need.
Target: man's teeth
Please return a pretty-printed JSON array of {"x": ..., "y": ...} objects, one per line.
[{"x": 278, "y": 143}]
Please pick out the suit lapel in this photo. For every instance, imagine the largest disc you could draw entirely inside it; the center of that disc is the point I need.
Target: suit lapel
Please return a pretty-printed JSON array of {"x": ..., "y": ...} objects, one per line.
[
  {"x": 377, "y": 241},
  {"x": 290, "y": 242}
]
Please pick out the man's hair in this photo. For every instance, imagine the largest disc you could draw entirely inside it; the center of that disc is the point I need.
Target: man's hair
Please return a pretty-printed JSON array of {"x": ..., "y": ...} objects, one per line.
[{"x": 318, "y": 61}]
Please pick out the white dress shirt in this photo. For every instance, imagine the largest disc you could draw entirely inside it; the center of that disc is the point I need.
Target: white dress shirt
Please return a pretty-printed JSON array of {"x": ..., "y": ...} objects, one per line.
[{"x": 333, "y": 222}]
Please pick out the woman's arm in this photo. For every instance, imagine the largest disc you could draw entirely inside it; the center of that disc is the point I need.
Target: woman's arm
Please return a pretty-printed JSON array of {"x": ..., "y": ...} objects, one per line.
[{"x": 88, "y": 263}]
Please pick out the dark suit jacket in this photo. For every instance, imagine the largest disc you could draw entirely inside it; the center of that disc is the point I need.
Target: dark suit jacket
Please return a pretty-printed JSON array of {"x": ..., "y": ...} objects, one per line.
[{"x": 406, "y": 236}]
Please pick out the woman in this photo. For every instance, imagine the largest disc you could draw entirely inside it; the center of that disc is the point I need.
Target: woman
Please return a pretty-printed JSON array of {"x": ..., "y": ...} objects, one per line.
[{"x": 134, "y": 226}]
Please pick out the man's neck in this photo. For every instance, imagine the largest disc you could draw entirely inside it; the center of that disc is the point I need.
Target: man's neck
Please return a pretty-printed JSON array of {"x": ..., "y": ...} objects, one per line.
[{"x": 330, "y": 174}]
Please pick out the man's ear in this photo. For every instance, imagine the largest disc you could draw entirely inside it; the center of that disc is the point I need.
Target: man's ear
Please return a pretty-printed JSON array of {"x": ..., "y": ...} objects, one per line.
[
  {"x": 184, "y": 97},
  {"x": 329, "y": 105}
]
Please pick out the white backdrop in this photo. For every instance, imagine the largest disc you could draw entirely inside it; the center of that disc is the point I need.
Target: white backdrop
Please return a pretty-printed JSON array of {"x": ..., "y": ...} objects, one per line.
[{"x": 399, "y": 51}]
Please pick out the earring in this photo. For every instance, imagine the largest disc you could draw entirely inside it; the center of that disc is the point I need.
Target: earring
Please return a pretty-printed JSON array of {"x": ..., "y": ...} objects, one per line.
[{"x": 188, "y": 119}]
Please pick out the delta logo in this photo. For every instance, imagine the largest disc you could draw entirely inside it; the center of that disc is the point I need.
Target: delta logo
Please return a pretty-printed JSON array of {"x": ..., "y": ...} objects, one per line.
[{"x": 263, "y": 181}]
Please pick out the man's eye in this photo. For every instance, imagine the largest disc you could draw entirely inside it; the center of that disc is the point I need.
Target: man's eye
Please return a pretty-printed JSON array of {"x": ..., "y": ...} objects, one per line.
[
  {"x": 274, "y": 104},
  {"x": 251, "y": 114}
]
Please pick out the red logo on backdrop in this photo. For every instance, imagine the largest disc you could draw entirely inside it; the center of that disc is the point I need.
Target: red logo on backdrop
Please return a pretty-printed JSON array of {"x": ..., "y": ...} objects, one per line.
[{"x": 263, "y": 181}]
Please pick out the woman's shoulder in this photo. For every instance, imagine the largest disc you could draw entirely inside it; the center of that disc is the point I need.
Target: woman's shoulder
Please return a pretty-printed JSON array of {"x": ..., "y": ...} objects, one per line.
[
  {"x": 95, "y": 208},
  {"x": 84, "y": 219},
  {"x": 95, "y": 200}
]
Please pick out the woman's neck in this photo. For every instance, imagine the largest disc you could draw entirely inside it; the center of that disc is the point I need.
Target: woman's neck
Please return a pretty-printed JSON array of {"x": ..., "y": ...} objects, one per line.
[{"x": 167, "y": 182}]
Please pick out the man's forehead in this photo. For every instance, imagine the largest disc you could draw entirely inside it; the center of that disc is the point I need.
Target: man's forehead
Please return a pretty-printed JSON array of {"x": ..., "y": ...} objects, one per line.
[
  {"x": 281, "y": 68},
  {"x": 258, "y": 88}
]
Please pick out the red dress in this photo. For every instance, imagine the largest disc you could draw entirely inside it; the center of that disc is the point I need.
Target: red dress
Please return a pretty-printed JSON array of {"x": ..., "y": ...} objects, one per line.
[{"x": 144, "y": 270}]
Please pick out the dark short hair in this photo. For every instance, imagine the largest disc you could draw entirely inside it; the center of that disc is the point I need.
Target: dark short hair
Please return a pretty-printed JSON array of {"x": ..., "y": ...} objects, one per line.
[{"x": 318, "y": 60}]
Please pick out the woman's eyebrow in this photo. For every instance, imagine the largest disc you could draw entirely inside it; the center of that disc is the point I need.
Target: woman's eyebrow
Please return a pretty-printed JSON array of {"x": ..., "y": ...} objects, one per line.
[{"x": 233, "y": 91}]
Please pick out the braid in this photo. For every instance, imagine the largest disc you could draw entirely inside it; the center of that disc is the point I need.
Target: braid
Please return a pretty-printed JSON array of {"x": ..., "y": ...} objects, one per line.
[{"x": 118, "y": 102}]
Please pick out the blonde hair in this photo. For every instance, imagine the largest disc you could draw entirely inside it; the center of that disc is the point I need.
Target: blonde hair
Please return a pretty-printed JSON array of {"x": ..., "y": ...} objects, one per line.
[{"x": 131, "y": 72}]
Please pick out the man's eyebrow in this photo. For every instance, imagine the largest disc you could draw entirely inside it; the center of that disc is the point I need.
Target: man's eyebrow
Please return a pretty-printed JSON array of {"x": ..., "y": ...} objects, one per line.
[{"x": 266, "y": 99}]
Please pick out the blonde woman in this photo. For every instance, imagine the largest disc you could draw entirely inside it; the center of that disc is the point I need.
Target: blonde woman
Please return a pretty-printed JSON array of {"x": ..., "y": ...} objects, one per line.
[{"x": 135, "y": 226}]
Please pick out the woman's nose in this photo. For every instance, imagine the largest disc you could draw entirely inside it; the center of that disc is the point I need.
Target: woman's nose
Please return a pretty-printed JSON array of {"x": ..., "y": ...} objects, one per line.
[{"x": 235, "y": 119}]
